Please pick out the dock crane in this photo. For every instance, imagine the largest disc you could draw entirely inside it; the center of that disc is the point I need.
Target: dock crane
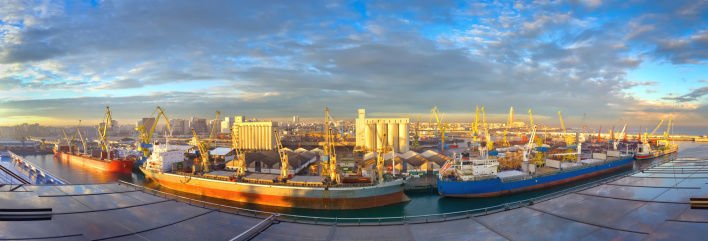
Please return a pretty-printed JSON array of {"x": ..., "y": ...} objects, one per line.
[
  {"x": 487, "y": 135},
  {"x": 475, "y": 126},
  {"x": 616, "y": 142},
  {"x": 212, "y": 134},
  {"x": 203, "y": 154},
  {"x": 568, "y": 139},
  {"x": 103, "y": 131},
  {"x": 146, "y": 135},
  {"x": 646, "y": 140},
  {"x": 43, "y": 145},
  {"x": 668, "y": 129},
  {"x": 69, "y": 142},
  {"x": 529, "y": 146},
  {"x": 329, "y": 162},
  {"x": 416, "y": 143},
  {"x": 239, "y": 155},
  {"x": 380, "y": 158},
  {"x": 78, "y": 129},
  {"x": 283, "y": 156},
  {"x": 441, "y": 125},
  {"x": 509, "y": 122}
]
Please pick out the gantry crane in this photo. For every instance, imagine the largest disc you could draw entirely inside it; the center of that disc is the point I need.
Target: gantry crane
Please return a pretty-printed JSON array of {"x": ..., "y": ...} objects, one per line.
[
  {"x": 240, "y": 156},
  {"x": 103, "y": 131},
  {"x": 146, "y": 135},
  {"x": 509, "y": 122},
  {"x": 203, "y": 154},
  {"x": 284, "y": 165},
  {"x": 78, "y": 129},
  {"x": 616, "y": 142},
  {"x": 212, "y": 134},
  {"x": 441, "y": 125}
]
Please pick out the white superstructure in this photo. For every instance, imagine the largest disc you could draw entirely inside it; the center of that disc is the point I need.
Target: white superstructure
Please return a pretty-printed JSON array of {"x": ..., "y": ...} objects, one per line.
[{"x": 162, "y": 158}]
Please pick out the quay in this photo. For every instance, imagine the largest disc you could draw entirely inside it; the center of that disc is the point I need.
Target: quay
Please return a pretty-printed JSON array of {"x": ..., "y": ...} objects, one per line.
[{"x": 653, "y": 204}]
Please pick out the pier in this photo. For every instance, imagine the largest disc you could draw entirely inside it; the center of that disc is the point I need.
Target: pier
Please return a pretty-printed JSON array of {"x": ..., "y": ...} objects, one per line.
[{"x": 654, "y": 203}]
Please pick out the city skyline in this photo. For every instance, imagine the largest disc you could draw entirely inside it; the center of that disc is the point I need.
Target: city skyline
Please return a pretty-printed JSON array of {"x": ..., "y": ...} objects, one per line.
[{"x": 637, "y": 61}]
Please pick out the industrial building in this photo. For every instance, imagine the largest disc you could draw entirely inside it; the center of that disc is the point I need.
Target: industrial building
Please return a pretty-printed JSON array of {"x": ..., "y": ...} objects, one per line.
[
  {"x": 370, "y": 133},
  {"x": 254, "y": 135}
]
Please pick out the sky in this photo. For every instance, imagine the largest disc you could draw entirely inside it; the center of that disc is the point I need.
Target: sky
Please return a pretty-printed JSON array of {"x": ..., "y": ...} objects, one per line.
[{"x": 636, "y": 62}]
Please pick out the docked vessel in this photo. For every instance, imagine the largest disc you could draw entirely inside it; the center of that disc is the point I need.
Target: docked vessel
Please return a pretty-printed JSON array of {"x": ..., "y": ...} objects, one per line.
[
  {"x": 480, "y": 177},
  {"x": 325, "y": 190},
  {"x": 101, "y": 160},
  {"x": 105, "y": 159},
  {"x": 656, "y": 148}
]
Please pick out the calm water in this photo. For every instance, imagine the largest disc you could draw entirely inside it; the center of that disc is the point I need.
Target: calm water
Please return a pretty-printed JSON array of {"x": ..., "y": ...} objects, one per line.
[{"x": 421, "y": 202}]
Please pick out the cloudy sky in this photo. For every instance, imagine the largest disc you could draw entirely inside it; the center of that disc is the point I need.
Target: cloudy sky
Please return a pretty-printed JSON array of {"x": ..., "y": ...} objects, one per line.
[{"x": 635, "y": 60}]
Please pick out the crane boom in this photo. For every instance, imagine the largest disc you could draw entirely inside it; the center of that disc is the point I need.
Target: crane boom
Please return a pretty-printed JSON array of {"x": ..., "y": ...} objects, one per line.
[
  {"x": 531, "y": 124},
  {"x": 476, "y": 124},
  {"x": 668, "y": 128},
  {"x": 103, "y": 132},
  {"x": 212, "y": 134},
  {"x": 657, "y": 127},
  {"x": 490, "y": 145},
  {"x": 146, "y": 136}
]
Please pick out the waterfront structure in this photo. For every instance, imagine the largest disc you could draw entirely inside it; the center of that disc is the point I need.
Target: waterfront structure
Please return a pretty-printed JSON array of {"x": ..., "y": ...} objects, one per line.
[{"x": 255, "y": 135}]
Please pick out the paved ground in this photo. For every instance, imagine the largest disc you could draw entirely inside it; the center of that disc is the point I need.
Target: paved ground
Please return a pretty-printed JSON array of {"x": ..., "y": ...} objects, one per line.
[{"x": 653, "y": 205}]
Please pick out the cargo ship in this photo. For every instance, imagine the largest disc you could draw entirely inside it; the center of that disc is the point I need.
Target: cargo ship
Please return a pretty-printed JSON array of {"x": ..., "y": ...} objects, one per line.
[
  {"x": 102, "y": 160},
  {"x": 646, "y": 150},
  {"x": 325, "y": 189},
  {"x": 312, "y": 192},
  {"x": 480, "y": 177}
]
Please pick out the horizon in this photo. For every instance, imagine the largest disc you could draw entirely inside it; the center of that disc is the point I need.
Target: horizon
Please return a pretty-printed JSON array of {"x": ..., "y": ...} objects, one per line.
[{"x": 640, "y": 62}]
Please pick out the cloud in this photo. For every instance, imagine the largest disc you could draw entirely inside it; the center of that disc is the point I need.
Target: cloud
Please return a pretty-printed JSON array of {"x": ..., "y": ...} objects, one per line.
[
  {"x": 695, "y": 94},
  {"x": 289, "y": 57}
]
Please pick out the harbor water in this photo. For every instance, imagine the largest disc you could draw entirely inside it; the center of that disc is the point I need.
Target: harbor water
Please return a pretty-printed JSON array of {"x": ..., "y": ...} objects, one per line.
[{"x": 422, "y": 202}]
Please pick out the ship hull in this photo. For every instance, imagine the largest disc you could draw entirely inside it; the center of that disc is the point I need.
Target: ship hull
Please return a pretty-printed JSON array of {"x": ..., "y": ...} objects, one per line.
[
  {"x": 120, "y": 166},
  {"x": 495, "y": 187},
  {"x": 332, "y": 198},
  {"x": 656, "y": 153}
]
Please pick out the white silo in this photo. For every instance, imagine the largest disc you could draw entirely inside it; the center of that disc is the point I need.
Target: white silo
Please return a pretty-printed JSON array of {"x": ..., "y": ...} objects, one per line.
[
  {"x": 403, "y": 137},
  {"x": 393, "y": 136}
]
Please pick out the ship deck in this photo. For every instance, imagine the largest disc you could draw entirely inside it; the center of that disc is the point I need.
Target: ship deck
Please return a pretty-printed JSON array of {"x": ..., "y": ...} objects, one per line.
[{"x": 652, "y": 204}]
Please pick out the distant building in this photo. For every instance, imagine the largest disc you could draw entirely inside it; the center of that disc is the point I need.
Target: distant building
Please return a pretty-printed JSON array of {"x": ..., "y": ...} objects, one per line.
[
  {"x": 226, "y": 125},
  {"x": 296, "y": 119}
]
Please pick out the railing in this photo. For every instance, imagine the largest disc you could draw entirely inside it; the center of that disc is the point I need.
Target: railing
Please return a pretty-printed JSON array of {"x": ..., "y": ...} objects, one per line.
[
  {"x": 47, "y": 174},
  {"x": 438, "y": 217}
]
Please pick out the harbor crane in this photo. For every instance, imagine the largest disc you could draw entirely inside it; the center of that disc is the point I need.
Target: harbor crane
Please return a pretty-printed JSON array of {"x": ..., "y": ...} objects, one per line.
[
  {"x": 203, "y": 155},
  {"x": 652, "y": 133},
  {"x": 487, "y": 135},
  {"x": 283, "y": 156},
  {"x": 616, "y": 142},
  {"x": 380, "y": 158},
  {"x": 146, "y": 135},
  {"x": 212, "y": 134},
  {"x": 531, "y": 124},
  {"x": 69, "y": 142},
  {"x": 441, "y": 125},
  {"x": 509, "y": 122},
  {"x": 529, "y": 146},
  {"x": 329, "y": 161},
  {"x": 568, "y": 139},
  {"x": 475, "y": 125},
  {"x": 103, "y": 131},
  {"x": 239, "y": 155},
  {"x": 668, "y": 129},
  {"x": 78, "y": 129}
]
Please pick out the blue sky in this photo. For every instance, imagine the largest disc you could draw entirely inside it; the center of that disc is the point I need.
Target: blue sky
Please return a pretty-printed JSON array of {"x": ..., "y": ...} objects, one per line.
[{"x": 636, "y": 60}]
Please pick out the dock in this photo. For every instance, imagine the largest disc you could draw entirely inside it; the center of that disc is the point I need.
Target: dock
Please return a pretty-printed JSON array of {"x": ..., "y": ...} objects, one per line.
[{"x": 652, "y": 204}]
